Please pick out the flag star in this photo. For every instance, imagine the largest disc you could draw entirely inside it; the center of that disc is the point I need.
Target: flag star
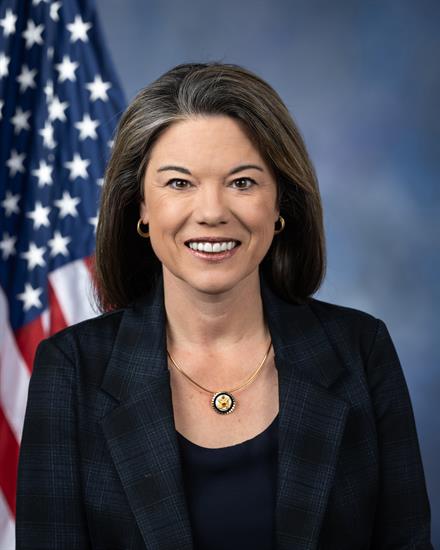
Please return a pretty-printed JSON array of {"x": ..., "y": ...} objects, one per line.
[
  {"x": 26, "y": 78},
  {"x": 94, "y": 221},
  {"x": 32, "y": 34},
  {"x": 47, "y": 134},
  {"x": 10, "y": 204},
  {"x": 1, "y": 108},
  {"x": 43, "y": 173},
  {"x": 67, "y": 69},
  {"x": 78, "y": 29},
  {"x": 4, "y": 62},
  {"x": 15, "y": 163},
  {"x": 40, "y": 215},
  {"x": 98, "y": 89},
  {"x": 87, "y": 127},
  {"x": 34, "y": 256},
  {"x": 38, "y": 2},
  {"x": 48, "y": 90},
  {"x": 100, "y": 182},
  {"x": 20, "y": 120},
  {"x": 7, "y": 245},
  {"x": 59, "y": 244},
  {"x": 67, "y": 205},
  {"x": 77, "y": 167},
  {"x": 54, "y": 7},
  {"x": 8, "y": 22},
  {"x": 56, "y": 109},
  {"x": 30, "y": 297}
]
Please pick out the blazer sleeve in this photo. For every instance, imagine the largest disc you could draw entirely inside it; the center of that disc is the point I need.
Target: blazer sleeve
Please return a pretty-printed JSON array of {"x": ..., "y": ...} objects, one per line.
[
  {"x": 402, "y": 519},
  {"x": 49, "y": 505}
]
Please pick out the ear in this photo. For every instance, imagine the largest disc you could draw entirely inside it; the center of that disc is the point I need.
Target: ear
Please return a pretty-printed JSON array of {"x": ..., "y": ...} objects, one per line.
[{"x": 143, "y": 212}]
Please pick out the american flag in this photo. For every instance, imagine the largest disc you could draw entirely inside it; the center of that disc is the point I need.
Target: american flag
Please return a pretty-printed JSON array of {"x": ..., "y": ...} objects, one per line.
[{"x": 59, "y": 105}]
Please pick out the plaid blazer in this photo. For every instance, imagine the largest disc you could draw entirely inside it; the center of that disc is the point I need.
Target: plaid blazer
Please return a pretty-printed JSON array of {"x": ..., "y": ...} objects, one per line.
[{"x": 99, "y": 463}]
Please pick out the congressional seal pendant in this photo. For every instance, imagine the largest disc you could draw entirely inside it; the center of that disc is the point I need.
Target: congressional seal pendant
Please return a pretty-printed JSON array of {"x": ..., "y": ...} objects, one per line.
[{"x": 223, "y": 402}]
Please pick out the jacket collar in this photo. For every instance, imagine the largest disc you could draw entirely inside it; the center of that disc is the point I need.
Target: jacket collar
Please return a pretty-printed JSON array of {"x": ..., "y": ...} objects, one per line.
[
  {"x": 297, "y": 336},
  {"x": 142, "y": 440}
]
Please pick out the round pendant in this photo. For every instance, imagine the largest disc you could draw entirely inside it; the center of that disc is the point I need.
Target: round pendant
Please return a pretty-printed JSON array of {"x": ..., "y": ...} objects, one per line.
[{"x": 223, "y": 402}]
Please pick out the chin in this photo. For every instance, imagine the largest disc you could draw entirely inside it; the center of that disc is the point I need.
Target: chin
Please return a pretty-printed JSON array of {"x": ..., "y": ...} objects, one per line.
[
  {"x": 209, "y": 282},
  {"x": 215, "y": 285},
  {"x": 212, "y": 287}
]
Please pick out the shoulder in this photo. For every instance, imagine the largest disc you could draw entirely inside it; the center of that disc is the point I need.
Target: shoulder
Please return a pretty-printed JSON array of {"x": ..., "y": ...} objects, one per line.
[
  {"x": 88, "y": 333},
  {"x": 328, "y": 312},
  {"x": 347, "y": 326},
  {"x": 314, "y": 320},
  {"x": 85, "y": 346},
  {"x": 313, "y": 315}
]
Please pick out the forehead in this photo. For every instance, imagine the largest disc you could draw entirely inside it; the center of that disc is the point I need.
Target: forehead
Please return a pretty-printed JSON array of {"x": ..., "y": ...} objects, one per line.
[{"x": 205, "y": 140}]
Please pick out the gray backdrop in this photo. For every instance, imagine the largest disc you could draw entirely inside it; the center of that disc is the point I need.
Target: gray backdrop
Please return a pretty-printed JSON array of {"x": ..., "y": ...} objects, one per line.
[{"x": 361, "y": 78}]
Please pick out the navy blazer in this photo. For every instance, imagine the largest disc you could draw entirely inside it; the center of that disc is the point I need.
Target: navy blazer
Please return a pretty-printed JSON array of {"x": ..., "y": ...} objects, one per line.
[{"x": 99, "y": 463}]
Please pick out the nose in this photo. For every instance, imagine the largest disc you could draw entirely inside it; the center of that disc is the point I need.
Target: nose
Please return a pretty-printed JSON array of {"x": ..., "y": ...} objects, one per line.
[{"x": 211, "y": 206}]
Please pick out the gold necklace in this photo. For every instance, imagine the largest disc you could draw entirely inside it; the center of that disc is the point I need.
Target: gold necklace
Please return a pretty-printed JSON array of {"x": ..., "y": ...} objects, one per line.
[{"x": 223, "y": 402}]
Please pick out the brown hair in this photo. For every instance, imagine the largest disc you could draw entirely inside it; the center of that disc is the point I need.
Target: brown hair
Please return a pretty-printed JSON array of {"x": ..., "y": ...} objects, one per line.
[{"x": 126, "y": 266}]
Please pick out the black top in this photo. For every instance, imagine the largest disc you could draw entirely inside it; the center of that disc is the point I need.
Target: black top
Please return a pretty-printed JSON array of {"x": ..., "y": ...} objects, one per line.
[{"x": 231, "y": 492}]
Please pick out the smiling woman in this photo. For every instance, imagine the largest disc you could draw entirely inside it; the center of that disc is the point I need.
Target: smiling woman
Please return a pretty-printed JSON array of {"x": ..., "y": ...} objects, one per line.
[
  {"x": 216, "y": 403},
  {"x": 184, "y": 98}
]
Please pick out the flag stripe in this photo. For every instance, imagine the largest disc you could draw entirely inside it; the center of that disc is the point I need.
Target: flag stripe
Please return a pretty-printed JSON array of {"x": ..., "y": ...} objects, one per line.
[
  {"x": 28, "y": 337},
  {"x": 57, "y": 319},
  {"x": 8, "y": 462},
  {"x": 69, "y": 282},
  {"x": 7, "y": 526},
  {"x": 90, "y": 264},
  {"x": 14, "y": 375}
]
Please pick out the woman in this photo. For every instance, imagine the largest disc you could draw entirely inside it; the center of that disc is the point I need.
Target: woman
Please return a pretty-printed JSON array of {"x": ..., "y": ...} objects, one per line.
[{"x": 216, "y": 404}]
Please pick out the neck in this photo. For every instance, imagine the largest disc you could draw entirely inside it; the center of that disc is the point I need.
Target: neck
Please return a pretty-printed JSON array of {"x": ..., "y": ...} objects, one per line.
[{"x": 197, "y": 319}]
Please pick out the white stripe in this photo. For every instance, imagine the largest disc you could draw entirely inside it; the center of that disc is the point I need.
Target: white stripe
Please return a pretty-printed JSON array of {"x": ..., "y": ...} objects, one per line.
[
  {"x": 73, "y": 288},
  {"x": 14, "y": 374},
  {"x": 7, "y": 526},
  {"x": 45, "y": 321}
]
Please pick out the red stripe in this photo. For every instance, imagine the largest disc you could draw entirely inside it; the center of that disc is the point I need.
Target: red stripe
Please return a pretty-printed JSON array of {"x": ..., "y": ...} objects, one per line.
[
  {"x": 28, "y": 338},
  {"x": 8, "y": 462},
  {"x": 57, "y": 319},
  {"x": 90, "y": 264}
]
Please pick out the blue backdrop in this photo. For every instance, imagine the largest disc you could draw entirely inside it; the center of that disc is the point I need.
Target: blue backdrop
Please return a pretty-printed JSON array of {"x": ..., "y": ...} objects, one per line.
[{"x": 362, "y": 80}]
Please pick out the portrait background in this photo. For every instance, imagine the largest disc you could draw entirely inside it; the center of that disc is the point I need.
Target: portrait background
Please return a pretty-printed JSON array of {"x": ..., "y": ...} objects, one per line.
[{"x": 362, "y": 81}]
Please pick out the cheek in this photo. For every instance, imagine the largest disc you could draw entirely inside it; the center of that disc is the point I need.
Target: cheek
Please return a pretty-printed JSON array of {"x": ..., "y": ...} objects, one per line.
[
  {"x": 262, "y": 218},
  {"x": 160, "y": 214}
]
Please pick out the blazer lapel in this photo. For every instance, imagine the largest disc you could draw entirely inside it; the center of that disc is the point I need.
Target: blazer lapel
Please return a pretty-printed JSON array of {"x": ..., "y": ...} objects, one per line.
[
  {"x": 311, "y": 420},
  {"x": 140, "y": 430}
]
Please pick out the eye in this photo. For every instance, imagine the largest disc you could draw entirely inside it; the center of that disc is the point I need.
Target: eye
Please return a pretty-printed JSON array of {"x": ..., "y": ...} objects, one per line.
[
  {"x": 244, "y": 183},
  {"x": 178, "y": 184}
]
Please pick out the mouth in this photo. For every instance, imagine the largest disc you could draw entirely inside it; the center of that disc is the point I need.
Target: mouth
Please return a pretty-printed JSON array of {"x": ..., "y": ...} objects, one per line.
[{"x": 212, "y": 245}]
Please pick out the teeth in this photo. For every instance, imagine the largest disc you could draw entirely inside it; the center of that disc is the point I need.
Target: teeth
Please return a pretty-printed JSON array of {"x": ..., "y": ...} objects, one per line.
[{"x": 213, "y": 247}]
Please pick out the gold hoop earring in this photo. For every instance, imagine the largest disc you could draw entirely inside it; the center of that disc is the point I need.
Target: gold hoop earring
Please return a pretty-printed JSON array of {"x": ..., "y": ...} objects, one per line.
[
  {"x": 282, "y": 222},
  {"x": 143, "y": 234}
]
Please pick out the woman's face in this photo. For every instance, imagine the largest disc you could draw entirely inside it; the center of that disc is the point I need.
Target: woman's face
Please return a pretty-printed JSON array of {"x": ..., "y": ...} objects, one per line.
[{"x": 207, "y": 186}]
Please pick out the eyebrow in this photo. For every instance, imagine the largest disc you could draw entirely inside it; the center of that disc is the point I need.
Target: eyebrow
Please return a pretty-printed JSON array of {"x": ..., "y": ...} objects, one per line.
[{"x": 183, "y": 170}]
